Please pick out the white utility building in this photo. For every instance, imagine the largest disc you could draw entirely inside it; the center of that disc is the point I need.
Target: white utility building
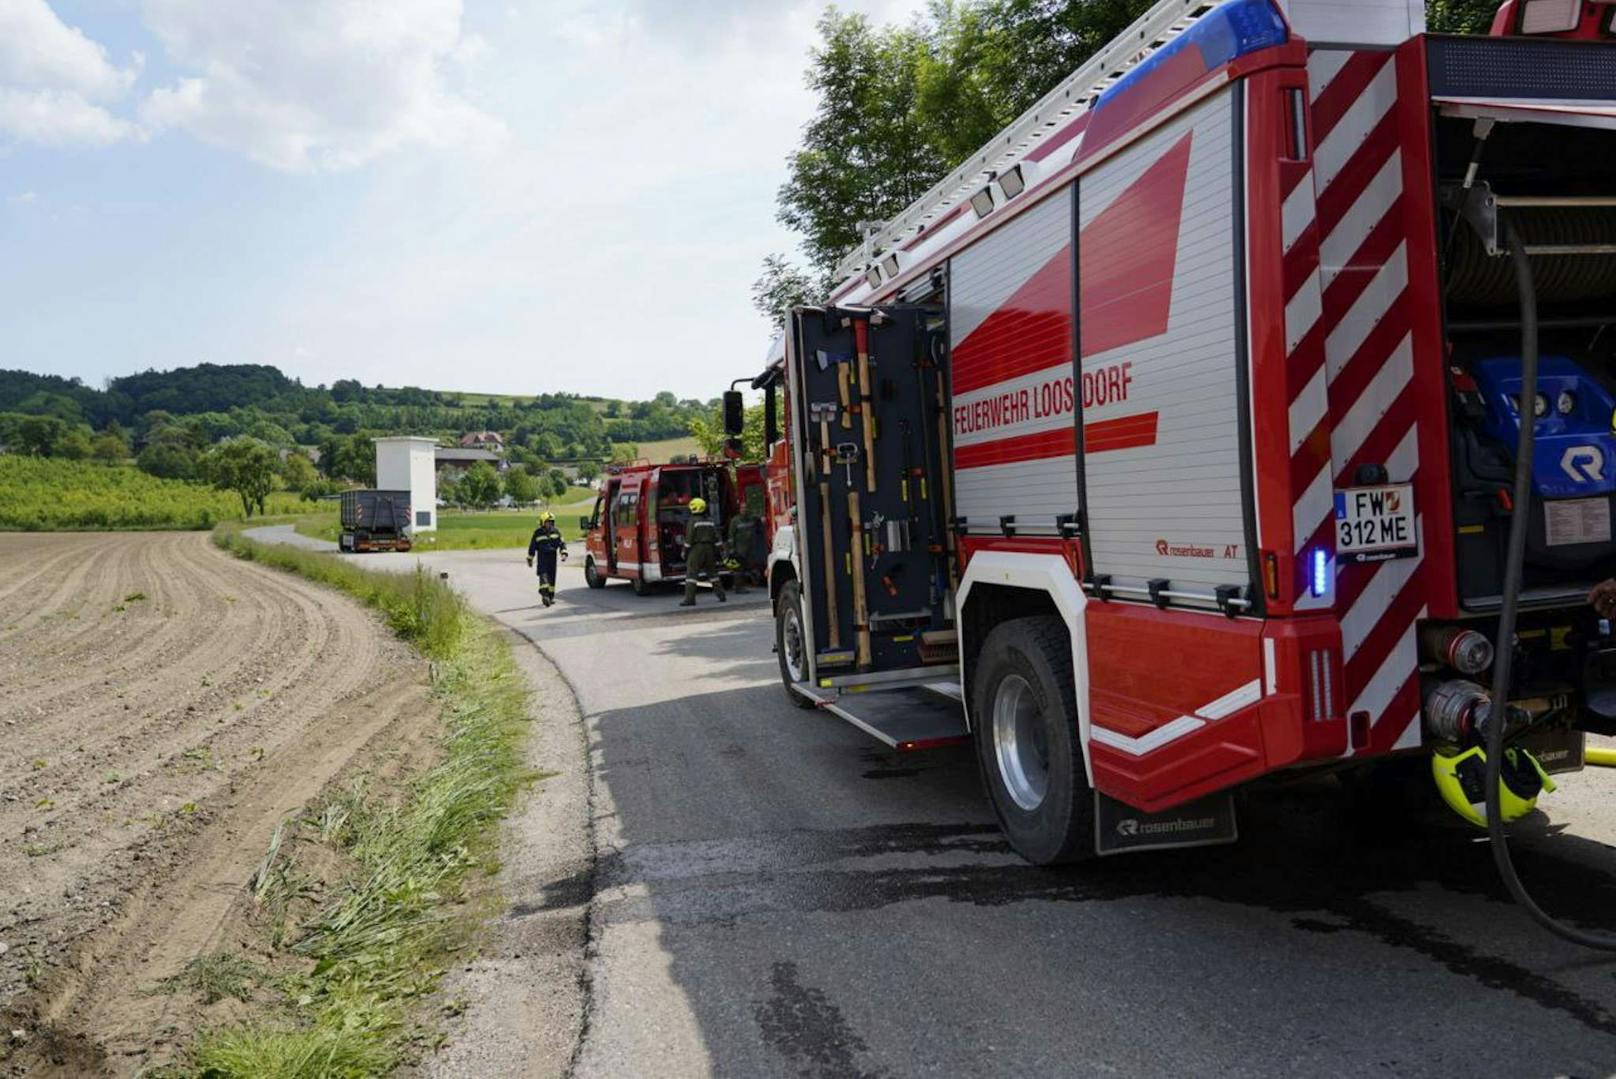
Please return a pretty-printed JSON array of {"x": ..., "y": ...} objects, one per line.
[{"x": 408, "y": 463}]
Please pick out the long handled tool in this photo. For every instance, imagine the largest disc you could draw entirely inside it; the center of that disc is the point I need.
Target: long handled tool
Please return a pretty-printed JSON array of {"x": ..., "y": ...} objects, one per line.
[
  {"x": 861, "y": 345},
  {"x": 861, "y": 610},
  {"x": 822, "y": 412}
]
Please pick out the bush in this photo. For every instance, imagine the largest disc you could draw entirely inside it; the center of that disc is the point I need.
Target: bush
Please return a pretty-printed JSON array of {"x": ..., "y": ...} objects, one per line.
[
  {"x": 169, "y": 460},
  {"x": 47, "y": 495}
]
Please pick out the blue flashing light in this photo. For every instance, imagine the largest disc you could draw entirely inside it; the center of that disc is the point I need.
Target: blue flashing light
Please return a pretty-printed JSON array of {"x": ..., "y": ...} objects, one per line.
[
  {"x": 1319, "y": 579},
  {"x": 1223, "y": 35}
]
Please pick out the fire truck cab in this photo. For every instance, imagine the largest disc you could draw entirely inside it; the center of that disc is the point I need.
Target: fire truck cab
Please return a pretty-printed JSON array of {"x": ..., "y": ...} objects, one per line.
[
  {"x": 1172, "y": 435},
  {"x": 636, "y": 531}
]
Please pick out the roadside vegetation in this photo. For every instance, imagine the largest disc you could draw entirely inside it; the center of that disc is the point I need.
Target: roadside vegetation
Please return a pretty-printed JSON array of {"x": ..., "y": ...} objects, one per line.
[
  {"x": 355, "y": 955},
  {"x": 40, "y": 494}
]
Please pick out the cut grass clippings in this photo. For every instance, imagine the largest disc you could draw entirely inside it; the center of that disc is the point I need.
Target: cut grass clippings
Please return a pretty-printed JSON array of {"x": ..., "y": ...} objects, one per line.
[{"x": 380, "y": 941}]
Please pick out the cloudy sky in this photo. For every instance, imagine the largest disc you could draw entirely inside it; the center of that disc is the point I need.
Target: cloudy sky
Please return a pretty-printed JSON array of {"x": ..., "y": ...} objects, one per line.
[{"x": 488, "y": 195}]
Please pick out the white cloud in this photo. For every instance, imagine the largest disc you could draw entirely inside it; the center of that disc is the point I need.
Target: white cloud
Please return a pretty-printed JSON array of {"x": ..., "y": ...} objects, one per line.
[
  {"x": 611, "y": 245},
  {"x": 22, "y": 198},
  {"x": 318, "y": 84},
  {"x": 52, "y": 77}
]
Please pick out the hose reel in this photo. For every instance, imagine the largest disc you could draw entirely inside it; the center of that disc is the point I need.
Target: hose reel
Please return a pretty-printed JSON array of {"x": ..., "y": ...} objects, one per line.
[{"x": 1570, "y": 240}]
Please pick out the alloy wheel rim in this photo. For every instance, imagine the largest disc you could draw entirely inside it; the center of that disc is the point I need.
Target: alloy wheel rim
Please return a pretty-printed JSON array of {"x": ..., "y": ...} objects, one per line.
[
  {"x": 793, "y": 645},
  {"x": 1020, "y": 743}
]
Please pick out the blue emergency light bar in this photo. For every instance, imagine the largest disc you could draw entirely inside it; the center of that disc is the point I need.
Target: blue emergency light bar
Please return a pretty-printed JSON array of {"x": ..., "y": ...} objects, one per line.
[{"x": 1221, "y": 36}]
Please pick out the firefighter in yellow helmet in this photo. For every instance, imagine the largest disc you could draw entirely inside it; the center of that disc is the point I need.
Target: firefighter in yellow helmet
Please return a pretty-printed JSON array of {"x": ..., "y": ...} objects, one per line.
[
  {"x": 1461, "y": 777},
  {"x": 543, "y": 548},
  {"x": 701, "y": 552}
]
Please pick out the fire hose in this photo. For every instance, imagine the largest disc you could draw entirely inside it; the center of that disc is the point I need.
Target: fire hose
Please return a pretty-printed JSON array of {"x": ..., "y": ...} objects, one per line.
[{"x": 1514, "y": 563}]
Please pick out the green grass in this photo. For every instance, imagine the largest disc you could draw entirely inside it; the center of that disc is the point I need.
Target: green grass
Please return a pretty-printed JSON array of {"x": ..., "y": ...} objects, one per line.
[
  {"x": 471, "y": 530},
  {"x": 47, "y": 495},
  {"x": 659, "y": 452},
  {"x": 289, "y": 1053},
  {"x": 381, "y": 942}
]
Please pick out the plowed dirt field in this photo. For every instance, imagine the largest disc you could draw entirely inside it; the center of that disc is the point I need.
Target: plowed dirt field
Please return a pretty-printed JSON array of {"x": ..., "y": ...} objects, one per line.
[{"x": 162, "y": 707}]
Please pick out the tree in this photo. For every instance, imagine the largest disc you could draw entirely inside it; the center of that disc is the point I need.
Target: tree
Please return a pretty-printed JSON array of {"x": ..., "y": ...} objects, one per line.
[
  {"x": 38, "y": 435},
  {"x": 709, "y": 432},
  {"x": 1459, "y": 16},
  {"x": 521, "y": 486},
  {"x": 588, "y": 470},
  {"x": 479, "y": 486},
  {"x": 349, "y": 457},
  {"x": 299, "y": 474},
  {"x": 109, "y": 447},
  {"x": 862, "y": 155},
  {"x": 169, "y": 460},
  {"x": 448, "y": 488},
  {"x": 781, "y": 286},
  {"x": 74, "y": 445},
  {"x": 247, "y": 467}
]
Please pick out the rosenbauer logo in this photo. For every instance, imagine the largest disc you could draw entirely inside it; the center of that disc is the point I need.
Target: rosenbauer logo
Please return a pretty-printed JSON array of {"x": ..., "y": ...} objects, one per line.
[
  {"x": 1132, "y": 827},
  {"x": 1184, "y": 550}
]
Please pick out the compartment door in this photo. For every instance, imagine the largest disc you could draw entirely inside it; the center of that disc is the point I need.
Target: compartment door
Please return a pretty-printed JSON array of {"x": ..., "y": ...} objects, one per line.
[{"x": 871, "y": 523}]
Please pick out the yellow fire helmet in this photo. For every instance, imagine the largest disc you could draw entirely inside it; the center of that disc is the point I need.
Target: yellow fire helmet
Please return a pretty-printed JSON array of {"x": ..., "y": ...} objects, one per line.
[
  {"x": 547, "y": 518},
  {"x": 698, "y": 505},
  {"x": 1461, "y": 778}
]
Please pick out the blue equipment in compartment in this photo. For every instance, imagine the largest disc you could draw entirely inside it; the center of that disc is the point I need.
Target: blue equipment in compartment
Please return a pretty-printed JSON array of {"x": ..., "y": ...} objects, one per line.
[{"x": 1575, "y": 450}]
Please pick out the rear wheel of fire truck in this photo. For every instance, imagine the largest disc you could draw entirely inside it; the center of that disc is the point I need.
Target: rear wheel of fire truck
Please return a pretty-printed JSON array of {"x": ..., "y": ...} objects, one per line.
[
  {"x": 791, "y": 643},
  {"x": 642, "y": 587},
  {"x": 1026, "y": 741},
  {"x": 592, "y": 575}
]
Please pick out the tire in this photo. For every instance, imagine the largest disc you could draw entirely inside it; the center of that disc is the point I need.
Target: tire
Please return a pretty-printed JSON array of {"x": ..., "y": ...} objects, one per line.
[
  {"x": 1025, "y": 719},
  {"x": 642, "y": 587},
  {"x": 788, "y": 623},
  {"x": 592, "y": 575}
]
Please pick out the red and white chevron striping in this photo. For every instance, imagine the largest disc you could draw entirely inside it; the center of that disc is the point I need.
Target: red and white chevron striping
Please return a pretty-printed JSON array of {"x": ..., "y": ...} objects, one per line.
[{"x": 1349, "y": 336}]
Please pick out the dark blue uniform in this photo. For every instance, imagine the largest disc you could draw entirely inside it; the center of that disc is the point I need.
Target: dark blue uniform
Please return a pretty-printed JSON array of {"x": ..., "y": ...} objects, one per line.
[{"x": 541, "y": 554}]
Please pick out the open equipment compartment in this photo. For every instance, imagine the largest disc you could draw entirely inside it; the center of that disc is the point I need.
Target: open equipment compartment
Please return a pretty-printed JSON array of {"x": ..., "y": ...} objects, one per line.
[
  {"x": 870, "y": 458},
  {"x": 1517, "y": 145}
]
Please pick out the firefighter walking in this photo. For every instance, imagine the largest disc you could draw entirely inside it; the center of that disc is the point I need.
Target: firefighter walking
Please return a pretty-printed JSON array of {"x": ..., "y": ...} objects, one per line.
[
  {"x": 701, "y": 552},
  {"x": 541, "y": 553}
]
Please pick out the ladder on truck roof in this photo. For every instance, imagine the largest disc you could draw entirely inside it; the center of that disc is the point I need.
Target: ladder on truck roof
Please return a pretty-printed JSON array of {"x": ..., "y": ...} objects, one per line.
[{"x": 1073, "y": 95}]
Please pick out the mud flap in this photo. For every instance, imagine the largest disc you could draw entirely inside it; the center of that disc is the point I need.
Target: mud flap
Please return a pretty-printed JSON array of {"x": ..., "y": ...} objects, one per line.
[
  {"x": 1556, "y": 749},
  {"x": 1120, "y": 829}
]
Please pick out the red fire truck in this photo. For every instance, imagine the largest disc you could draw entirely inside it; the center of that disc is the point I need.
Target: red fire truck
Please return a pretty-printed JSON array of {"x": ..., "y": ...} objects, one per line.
[
  {"x": 637, "y": 529},
  {"x": 1177, "y": 434}
]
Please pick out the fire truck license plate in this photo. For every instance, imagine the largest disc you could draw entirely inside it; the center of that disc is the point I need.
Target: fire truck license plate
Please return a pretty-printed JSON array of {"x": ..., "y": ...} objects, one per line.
[{"x": 1373, "y": 524}]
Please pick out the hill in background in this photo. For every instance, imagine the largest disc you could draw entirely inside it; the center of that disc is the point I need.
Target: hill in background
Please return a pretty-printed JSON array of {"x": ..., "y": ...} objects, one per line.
[{"x": 218, "y": 401}]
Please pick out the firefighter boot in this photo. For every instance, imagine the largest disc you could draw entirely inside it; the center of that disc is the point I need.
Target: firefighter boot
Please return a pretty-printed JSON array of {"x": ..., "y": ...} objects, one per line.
[{"x": 690, "y": 594}]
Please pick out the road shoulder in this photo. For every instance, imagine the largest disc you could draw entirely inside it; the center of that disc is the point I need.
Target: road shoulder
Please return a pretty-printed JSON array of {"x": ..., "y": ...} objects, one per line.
[{"x": 521, "y": 1002}]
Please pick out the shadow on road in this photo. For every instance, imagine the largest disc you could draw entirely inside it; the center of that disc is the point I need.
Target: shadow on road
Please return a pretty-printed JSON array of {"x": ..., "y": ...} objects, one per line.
[{"x": 783, "y": 854}]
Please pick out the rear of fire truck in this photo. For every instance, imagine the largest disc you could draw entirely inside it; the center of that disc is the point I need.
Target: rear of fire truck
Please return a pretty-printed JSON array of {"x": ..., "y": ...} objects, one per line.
[{"x": 1182, "y": 447}]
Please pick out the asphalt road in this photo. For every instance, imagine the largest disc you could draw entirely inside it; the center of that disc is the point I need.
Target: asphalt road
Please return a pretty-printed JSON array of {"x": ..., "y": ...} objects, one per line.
[{"x": 775, "y": 894}]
